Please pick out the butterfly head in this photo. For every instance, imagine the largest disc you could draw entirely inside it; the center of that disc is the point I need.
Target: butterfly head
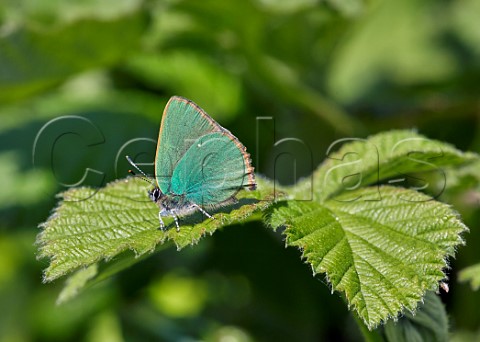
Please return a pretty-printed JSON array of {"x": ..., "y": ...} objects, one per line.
[{"x": 155, "y": 194}]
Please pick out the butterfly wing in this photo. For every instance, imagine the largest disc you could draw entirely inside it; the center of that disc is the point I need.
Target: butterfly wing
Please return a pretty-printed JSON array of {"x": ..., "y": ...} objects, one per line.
[
  {"x": 213, "y": 170},
  {"x": 183, "y": 122}
]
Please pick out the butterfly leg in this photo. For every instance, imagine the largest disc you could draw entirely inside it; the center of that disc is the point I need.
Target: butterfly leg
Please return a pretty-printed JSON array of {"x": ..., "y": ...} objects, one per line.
[
  {"x": 176, "y": 220},
  {"x": 162, "y": 225},
  {"x": 203, "y": 211}
]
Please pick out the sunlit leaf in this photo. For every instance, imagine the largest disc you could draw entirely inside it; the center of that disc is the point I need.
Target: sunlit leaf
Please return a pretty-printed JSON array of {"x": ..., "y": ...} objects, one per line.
[
  {"x": 396, "y": 156},
  {"x": 383, "y": 253},
  {"x": 94, "y": 224}
]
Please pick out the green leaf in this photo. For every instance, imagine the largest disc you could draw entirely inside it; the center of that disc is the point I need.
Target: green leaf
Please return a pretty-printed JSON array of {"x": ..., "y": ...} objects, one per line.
[
  {"x": 76, "y": 282},
  {"x": 100, "y": 271},
  {"x": 349, "y": 8},
  {"x": 205, "y": 77},
  {"x": 465, "y": 24},
  {"x": 382, "y": 253},
  {"x": 31, "y": 60},
  {"x": 94, "y": 224},
  {"x": 405, "y": 54},
  {"x": 465, "y": 181},
  {"x": 471, "y": 274},
  {"x": 48, "y": 13},
  {"x": 395, "y": 155},
  {"x": 429, "y": 323}
]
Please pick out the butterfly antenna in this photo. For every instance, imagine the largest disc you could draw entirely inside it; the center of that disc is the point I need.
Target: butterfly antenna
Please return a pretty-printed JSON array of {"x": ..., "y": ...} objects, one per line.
[{"x": 145, "y": 177}]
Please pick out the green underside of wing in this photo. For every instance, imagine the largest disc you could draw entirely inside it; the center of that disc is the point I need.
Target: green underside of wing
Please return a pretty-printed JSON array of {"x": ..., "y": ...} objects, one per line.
[
  {"x": 211, "y": 171},
  {"x": 182, "y": 124}
]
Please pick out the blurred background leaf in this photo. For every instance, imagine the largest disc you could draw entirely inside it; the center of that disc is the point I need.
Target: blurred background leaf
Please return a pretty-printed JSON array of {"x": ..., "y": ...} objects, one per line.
[
  {"x": 35, "y": 57},
  {"x": 471, "y": 274},
  {"x": 429, "y": 323},
  {"x": 323, "y": 70}
]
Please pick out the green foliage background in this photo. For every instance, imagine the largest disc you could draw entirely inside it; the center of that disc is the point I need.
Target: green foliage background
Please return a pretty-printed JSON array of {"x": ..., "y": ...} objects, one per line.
[{"x": 324, "y": 70}]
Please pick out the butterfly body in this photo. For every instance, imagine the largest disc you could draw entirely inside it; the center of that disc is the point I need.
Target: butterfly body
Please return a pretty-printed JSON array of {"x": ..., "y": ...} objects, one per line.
[
  {"x": 169, "y": 204},
  {"x": 199, "y": 164}
]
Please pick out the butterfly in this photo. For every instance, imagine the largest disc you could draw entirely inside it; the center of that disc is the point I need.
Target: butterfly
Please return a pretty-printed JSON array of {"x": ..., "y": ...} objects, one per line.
[{"x": 198, "y": 164}]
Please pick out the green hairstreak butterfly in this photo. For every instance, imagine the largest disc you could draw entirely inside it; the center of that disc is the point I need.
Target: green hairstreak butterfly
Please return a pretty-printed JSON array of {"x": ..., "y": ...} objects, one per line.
[{"x": 198, "y": 164}]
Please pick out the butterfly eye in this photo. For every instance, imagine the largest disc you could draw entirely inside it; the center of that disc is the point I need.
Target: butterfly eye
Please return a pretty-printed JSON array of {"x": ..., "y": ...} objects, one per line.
[{"x": 155, "y": 194}]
